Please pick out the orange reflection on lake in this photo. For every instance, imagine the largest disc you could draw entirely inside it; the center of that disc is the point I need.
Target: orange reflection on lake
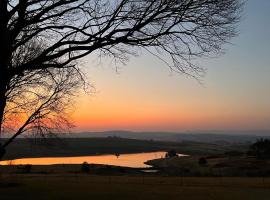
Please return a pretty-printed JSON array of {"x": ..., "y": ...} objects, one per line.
[{"x": 125, "y": 160}]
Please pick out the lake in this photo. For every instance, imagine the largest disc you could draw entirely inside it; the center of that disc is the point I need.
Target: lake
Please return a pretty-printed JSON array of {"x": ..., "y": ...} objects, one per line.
[{"x": 125, "y": 160}]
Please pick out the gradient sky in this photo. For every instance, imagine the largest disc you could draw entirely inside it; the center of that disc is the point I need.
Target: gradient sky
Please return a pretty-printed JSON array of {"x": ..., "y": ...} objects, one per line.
[{"x": 145, "y": 96}]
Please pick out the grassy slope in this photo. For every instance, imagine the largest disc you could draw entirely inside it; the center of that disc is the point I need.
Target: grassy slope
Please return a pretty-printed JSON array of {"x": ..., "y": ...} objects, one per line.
[
  {"x": 216, "y": 166},
  {"x": 125, "y": 187},
  {"x": 90, "y": 146}
]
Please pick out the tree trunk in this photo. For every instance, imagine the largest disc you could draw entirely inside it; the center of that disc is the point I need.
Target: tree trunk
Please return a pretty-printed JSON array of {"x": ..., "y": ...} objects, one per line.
[
  {"x": 3, "y": 58},
  {"x": 2, "y": 101},
  {"x": 2, "y": 110},
  {"x": 3, "y": 65},
  {"x": 2, "y": 152}
]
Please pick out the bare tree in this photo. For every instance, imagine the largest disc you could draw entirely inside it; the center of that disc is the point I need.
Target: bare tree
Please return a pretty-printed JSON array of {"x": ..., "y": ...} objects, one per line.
[{"x": 41, "y": 40}]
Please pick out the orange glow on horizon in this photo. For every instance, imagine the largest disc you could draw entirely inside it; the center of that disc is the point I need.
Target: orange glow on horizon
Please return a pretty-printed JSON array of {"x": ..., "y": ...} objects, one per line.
[{"x": 98, "y": 118}]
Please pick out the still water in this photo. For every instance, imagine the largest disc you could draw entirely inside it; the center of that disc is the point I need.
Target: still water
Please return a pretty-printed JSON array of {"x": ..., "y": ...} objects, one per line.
[{"x": 126, "y": 160}]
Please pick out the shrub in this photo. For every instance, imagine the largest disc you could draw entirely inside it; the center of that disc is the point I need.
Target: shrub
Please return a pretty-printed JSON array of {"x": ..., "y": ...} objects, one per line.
[
  {"x": 171, "y": 153},
  {"x": 85, "y": 167},
  {"x": 260, "y": 149}
]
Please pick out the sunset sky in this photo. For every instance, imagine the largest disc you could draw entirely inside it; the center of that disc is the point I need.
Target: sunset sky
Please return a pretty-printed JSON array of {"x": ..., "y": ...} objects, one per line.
[{"x": 145, "y": 96}]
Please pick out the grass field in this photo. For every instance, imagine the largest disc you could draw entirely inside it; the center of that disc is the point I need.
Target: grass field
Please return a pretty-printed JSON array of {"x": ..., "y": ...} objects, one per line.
[
  {"x": 24, "y": 186},
  {"x": 220, "y": 165}
]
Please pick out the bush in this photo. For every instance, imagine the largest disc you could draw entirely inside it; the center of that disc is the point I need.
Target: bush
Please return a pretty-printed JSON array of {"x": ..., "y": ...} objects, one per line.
[
  {"x": 171, "y": 153},
  {"x": 260, "y": 149},
  {"x": 85, "y": 167}
]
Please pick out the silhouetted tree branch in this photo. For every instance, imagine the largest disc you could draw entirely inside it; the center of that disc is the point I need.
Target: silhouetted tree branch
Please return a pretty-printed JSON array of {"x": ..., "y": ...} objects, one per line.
[{"x": 42, "y": 39}]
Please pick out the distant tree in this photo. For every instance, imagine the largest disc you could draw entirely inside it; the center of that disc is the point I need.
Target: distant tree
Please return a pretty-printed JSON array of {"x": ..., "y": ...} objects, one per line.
[
  {"x": 42, "y": 40},
  {"x": 170, "y": 154},
  {"x": 260, "y": 149}
]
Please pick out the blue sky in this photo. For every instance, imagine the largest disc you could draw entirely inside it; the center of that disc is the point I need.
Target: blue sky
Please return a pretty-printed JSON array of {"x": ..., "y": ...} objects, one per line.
[{"x": 145, "y": 95}]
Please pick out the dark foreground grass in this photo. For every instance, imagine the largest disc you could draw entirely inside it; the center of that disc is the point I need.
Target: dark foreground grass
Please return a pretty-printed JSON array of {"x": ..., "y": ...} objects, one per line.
[{"x": 67, "y": 187}]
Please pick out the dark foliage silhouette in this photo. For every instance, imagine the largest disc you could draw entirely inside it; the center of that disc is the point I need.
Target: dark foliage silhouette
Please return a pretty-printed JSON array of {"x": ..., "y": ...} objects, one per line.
[
  {"x": 171, "y": 153},
  {"x": 85, "y": 167},
  {"x": 260, "y": 149}
]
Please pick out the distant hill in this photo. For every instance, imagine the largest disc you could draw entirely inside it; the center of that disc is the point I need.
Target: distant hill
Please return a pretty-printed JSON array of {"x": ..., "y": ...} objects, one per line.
[{"x": 200, "y": 136}]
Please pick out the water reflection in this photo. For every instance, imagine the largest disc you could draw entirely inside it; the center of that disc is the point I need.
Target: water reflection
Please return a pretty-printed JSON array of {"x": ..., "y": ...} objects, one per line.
[{"x": 126, "y": 160}]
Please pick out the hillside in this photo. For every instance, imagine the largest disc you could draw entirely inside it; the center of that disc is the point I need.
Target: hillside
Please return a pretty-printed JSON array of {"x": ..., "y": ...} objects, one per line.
[{"x": 110, "y": 145}]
